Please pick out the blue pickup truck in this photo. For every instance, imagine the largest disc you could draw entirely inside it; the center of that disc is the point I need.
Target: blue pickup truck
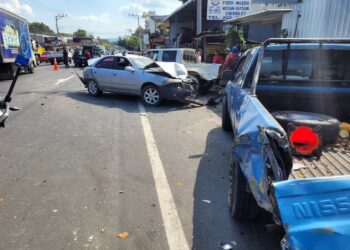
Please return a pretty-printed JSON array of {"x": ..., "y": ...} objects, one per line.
[{"x": 284, "y": 103}]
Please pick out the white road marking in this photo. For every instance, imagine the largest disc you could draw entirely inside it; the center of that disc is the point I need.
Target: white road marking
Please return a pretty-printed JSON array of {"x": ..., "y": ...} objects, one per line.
[
  {"x": 173, "y": 228},
  {"x": 64, "y": 80}
]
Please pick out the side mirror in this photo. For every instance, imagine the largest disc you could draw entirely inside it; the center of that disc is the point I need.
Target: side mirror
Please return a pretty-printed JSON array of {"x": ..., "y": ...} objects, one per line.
[
  {"x": 129, "y": 68},
  {"x": 227, "y": 75}
]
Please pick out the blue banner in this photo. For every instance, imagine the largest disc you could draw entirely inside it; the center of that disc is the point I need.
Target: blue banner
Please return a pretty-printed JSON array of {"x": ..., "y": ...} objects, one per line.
[{"x": 14, "y": 37}]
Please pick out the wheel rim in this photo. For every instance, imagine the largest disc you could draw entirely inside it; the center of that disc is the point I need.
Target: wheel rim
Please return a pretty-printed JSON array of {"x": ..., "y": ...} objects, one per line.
[
  {"x": 151, "y": 96},
  {"x": 194, "y": 83},
  {"x": 93, "y": 87}
]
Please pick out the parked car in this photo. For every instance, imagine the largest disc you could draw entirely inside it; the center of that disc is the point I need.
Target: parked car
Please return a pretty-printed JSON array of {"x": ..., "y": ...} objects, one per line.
[
  {"x": 283, "y": 104},
  {"x": 44, "y": 57},
  {"x": 203, "y": 74},
  {"x": 137, "y": 75},
  {"x": 88, "y": 53},
  {"x": 59, "y": 57}
]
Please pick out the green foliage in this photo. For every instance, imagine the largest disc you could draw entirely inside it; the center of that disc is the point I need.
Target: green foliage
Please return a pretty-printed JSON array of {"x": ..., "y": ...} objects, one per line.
[
  {"x": 106, "y": 43},
  {"x": 80, "y": 33},
  {"x": 134, "y": 42},
  {"x": 40, "y": 28},
  {"x": 130, "y": 43},
  {"x": 233, "y": 37}
]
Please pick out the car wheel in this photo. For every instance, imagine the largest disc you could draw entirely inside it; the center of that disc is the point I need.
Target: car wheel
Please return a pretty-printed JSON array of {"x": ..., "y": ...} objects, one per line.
[
  {"x": 242, "y": 203},
  {"x": 151, "y": 95},
  {"x": 93, "y": 88},
  {"x": 225, "y": 116},
  {"x": 195, "y": 83}
]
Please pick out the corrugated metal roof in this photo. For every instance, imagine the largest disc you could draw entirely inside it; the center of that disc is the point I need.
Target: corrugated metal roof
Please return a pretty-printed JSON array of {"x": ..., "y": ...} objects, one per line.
[{"x": 319, "y": 18}]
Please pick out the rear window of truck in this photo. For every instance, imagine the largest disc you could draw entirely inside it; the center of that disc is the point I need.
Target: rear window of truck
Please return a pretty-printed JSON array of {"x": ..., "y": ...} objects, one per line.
[
  {"x": 169, "y": 56},
  {"x": 326, "y": 65}
]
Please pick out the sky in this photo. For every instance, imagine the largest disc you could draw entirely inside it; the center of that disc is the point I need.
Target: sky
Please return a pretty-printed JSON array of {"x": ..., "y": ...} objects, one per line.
[{"x": 103, "y": 18}]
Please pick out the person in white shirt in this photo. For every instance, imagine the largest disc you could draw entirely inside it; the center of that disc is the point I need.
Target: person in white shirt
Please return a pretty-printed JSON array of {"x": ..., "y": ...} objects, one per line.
[{"x": 198, "y": 55}]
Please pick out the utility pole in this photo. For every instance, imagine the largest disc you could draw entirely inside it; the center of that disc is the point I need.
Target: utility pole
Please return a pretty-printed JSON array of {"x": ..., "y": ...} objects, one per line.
[
  {"x": 139, "y": 27},
  {"x": 58, "y": 17}
]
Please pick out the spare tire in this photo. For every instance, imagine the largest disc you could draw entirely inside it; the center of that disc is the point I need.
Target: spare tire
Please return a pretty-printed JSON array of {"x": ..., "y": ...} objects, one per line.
[{"x": 330, "y": 126}]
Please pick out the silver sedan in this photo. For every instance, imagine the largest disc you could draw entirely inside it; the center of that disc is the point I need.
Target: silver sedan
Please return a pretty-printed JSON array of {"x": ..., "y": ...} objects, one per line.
[{"x": 137, "y": 75}]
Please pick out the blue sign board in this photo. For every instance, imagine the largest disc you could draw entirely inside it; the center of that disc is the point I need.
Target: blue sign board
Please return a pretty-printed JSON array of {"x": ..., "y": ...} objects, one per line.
[{"x": 14, "y": 37}]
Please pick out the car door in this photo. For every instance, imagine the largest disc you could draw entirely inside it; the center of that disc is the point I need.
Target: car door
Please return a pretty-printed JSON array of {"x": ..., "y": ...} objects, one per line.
[
  {"x": 125, "y": 81},
  {"x": 238, "y": 88},
  {"x": 103, "y": 72}
]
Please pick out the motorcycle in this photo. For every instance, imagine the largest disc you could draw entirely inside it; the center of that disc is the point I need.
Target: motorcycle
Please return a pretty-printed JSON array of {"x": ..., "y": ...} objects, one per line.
[{"x": 5, "y": 108}]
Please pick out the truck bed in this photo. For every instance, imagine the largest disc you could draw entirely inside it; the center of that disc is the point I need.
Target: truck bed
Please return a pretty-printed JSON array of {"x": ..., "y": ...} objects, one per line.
[{"x": 335, "y": 161}]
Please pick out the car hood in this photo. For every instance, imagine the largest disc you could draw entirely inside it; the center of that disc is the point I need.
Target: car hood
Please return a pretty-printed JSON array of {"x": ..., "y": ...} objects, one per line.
[{"x": 174, "y": 70}]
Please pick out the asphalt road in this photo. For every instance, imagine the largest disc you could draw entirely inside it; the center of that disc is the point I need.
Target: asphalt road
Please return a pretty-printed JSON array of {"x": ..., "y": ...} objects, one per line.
[{"x": 77, "y": 170}]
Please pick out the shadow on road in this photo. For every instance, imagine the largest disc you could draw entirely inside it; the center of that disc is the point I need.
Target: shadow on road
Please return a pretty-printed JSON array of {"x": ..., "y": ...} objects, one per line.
[
  {"x": 108, "y": 100},
  {"x": 212, "y": 223}
]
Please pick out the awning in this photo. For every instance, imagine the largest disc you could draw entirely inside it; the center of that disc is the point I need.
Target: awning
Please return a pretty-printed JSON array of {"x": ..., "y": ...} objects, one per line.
[
  {"x": 264, "y": 17},
  {"x": 189, "y": 7}
]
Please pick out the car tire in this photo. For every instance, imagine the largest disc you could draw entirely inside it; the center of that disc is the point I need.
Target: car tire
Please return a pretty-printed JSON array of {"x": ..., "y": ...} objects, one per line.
[
  {"x": 225, "y": 116},
  {"x": 150, "y": 95},
  {"x": 330, "y": 126},
  {"x": 242, "y": 204},
  {"x": 93, "y": 88},
  {"x": 195, "y": 83}
]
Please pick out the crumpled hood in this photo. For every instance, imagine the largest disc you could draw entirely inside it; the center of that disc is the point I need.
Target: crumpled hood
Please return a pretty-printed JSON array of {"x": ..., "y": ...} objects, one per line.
[{"x": 176, "y": 70}]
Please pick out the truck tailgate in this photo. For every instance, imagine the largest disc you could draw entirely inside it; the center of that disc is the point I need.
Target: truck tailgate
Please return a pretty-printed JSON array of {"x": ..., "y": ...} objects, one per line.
[
  {"x": 335, "y": 161},
  {"x": 315, "y": 212}
]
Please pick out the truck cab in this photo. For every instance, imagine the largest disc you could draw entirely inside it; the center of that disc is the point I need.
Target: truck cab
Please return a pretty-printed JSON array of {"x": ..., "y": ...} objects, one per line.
[
  {"x": 284, "y": 105},
  {"x": 203, "y": 74}
]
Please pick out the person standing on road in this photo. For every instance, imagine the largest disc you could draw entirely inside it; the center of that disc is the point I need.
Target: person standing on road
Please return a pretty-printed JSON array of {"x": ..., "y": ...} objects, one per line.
[{"x": 65, "y": 57}]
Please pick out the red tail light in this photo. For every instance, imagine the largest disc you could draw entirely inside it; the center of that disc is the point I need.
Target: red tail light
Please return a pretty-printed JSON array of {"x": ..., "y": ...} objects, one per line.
[{"x": 304, "y": 140}]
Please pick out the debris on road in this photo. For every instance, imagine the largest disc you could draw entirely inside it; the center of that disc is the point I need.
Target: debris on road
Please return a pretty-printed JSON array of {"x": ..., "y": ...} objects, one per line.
[
  {"x": 90, "y": 238},
  {"x": 1, "y": 199},
  {"x": 228, "y": 245},
  {"x": 123, "y": 235},
  {"x": 55, "y": 211},
  {"x": 207, "y": 201},
  {"x": 102, "y": 230}
]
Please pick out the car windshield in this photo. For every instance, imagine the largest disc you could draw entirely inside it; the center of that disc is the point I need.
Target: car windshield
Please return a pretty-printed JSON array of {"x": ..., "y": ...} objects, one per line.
[{"x": 141, "y": 62}]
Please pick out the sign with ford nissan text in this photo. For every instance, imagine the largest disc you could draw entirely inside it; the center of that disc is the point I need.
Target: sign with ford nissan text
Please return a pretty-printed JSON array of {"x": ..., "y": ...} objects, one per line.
[{"x": 226, "y": 10}]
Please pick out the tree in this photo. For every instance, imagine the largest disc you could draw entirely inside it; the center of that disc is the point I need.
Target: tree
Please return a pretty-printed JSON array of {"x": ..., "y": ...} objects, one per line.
[
  {"x": 40, "y": 28},
  {"x": 80, "y": 33},
  {"x": 130, "y": 43},
  {"x": 105, "y": 42},
  {"x": 133, "y": 42},
  {"x": 233, "y": 37}
]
